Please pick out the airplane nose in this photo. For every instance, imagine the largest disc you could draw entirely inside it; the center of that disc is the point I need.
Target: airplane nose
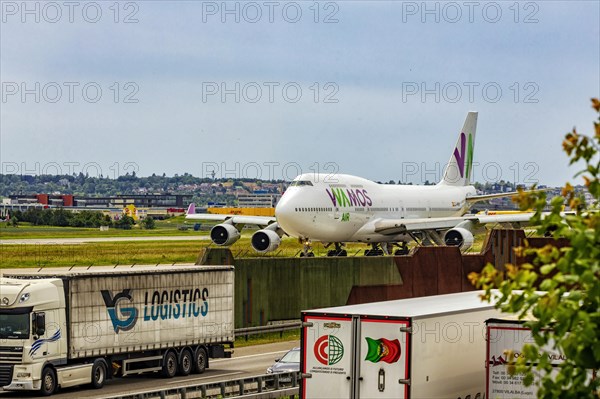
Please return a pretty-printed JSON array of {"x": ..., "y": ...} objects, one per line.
[
  {"x": 285, "y": 212},
  {"x": 283, "y": 208}
]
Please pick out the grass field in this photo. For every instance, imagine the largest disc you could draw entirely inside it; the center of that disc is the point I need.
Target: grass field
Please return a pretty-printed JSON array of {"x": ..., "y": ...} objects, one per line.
[
  {"x": 170, "y": 227},
  {"x": 138, "y": 252}
]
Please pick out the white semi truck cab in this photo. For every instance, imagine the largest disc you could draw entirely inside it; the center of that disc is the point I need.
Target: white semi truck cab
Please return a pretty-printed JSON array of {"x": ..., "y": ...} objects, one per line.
[
  {"x": 68, "y": 327},
  {"x": 31, "y": 313}
]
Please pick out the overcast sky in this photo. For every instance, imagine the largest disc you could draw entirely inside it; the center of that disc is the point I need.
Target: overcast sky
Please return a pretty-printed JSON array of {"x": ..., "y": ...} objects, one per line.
[{"x": 378, "y": 89}]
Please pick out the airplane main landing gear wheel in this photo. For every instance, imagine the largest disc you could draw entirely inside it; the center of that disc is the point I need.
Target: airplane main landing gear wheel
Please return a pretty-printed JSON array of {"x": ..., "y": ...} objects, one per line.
[
  {"x": 373, "y": 252},
  {"x": 338, "y": 251},
  {"x": 403, "y": 250}
]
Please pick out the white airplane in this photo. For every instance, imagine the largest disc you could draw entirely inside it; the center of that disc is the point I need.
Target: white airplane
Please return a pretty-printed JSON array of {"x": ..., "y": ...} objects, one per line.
[{"x": 343, "y": 208}]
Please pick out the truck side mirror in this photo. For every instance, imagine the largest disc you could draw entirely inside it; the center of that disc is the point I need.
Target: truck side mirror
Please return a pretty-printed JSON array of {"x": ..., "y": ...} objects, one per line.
[{"x": 39, "y": 323}]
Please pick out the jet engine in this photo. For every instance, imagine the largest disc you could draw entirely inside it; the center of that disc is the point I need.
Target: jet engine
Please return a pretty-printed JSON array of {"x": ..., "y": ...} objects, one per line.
[
  {"x": 224, "y": 234},
  {"x": 265, "y": 240},
  {"x": 459, "y": 237}
]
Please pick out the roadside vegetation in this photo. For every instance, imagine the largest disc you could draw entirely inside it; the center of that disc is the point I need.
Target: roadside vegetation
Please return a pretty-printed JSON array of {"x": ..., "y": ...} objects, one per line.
[
  {"x": 267, "y": 338},
  {"x": 560, "y": 288}
]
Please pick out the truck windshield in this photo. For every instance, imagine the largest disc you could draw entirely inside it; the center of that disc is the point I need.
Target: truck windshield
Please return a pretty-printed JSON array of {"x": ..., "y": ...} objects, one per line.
[{"x": 15, "y": 326}]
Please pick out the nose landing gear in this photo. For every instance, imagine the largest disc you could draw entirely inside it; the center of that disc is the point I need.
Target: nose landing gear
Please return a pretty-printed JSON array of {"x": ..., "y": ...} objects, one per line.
[{"x": 306, "y": 248}]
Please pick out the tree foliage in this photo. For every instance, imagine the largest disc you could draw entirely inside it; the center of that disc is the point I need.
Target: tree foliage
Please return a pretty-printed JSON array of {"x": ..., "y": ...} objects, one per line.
[
  {"x": 125, "y": 222},
  {"x": 61, "y": 217},
  {"x": 149, "y": 223},
  {"x": 560, "y": 288}
]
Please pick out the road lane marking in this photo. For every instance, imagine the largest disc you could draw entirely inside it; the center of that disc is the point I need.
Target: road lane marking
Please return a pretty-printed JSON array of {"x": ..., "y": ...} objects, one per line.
[
  {"x": 247, "y": 356},
  {"x": 204, "y": 378}
]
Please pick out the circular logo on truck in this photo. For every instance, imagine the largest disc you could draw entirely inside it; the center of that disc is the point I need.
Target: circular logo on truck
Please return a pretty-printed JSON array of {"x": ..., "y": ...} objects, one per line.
[{"x": 329, "y": 350}]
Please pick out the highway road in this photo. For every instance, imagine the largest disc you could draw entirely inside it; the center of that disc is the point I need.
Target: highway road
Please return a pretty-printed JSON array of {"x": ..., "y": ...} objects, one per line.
[
  {"x": 247, "y": 361},
  {"x": 86, "y": 240}
]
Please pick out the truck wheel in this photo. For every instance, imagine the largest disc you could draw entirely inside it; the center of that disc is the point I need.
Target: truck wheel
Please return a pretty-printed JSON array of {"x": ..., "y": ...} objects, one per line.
[
  {"x": 200, "y": 361},
  {"x": 48, "y": 382},
  {"x": 169, "y": 365},
  {"x": 185, "y": 362},
  {"x": 98, "y": 374}
]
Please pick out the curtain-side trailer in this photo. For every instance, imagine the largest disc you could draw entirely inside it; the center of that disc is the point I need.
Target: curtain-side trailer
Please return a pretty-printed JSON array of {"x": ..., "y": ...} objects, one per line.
[
  {"x": 428, "y": 347},
  {"x": 71, "y": 326}
]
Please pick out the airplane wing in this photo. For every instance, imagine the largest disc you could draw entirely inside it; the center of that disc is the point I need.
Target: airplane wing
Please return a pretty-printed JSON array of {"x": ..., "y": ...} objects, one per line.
[
  {"x": 235, "y": 219},
  {"x": 485, "y": 197},
  {"x": 398, "y": 226}
]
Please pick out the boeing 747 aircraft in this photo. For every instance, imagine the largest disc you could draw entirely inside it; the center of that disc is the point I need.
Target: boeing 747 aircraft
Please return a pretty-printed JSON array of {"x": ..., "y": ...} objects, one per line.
[{"x": 343, "y": 208}]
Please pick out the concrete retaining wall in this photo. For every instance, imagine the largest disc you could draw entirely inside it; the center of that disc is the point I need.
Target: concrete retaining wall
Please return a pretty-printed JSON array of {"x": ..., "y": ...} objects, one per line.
[{"x": 273, "y": 289}]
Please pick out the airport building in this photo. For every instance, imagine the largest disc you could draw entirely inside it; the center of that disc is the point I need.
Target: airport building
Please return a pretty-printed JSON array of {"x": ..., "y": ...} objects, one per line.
[
  {"x": 258, "y": 200},
  {"x": 118, "y": 201}
]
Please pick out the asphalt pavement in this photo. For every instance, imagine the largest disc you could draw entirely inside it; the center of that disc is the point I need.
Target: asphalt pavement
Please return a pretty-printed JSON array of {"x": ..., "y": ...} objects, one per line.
[{"x": 246, "y": 361}]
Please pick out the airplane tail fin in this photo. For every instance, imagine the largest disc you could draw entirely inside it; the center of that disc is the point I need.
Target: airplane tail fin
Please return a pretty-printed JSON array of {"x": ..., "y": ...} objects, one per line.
[
  {"x": 459, "y": 169},
  {"x": 191, "y": 209}
]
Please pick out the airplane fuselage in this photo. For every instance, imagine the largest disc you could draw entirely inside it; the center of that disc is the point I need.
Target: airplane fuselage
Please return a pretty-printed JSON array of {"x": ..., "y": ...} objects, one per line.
[{"x": 344, "y": 208}]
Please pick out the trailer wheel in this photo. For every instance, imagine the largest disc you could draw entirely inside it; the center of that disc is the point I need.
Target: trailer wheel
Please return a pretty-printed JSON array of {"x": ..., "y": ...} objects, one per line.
[
  {"x": 98, "y": 373},
  {"x": 169, "y": 365},
  {"x": 48, "y": 382},
  {"x": 200, "y": 360},
  {"x": 185, "y": 362}
]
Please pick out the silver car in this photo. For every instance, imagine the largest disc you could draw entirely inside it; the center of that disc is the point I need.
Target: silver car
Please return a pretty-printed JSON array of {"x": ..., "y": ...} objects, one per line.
[{"x": 288, "y": 363}]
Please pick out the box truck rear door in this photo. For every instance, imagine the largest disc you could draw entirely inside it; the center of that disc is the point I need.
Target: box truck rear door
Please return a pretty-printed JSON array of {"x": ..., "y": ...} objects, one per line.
[
  {"x": 326, "y": 361},
  {"x": 383, "y": 363}
]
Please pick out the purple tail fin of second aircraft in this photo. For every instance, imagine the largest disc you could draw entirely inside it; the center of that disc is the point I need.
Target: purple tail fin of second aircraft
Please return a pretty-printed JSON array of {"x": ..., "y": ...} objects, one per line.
[{"x": 191, "y": 209}]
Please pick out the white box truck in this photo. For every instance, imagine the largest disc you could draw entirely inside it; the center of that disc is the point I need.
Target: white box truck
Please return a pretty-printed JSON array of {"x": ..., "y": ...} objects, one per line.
[
  {"x": 71, "y": 326},
  {"x": 428, "y": 347}
]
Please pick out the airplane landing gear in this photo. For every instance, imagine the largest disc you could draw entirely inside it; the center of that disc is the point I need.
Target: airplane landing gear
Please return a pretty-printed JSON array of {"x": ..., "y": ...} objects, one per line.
[
  {"x": 306, "y": 248},
  {"x": 403, "y": 249},
  {"x": 338, "y": 251},
  {"x": 374, "y": 251},
  {"x": 380, "y": 249}
]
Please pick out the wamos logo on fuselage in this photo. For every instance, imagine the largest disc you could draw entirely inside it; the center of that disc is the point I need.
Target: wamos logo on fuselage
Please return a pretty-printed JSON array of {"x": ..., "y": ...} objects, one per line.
[
  {"x": 129, "y": 313},
  {"x": 348, "y": 197}
]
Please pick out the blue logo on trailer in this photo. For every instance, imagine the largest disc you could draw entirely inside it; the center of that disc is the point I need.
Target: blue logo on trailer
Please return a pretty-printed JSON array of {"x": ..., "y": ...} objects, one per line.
[
  {"x": 129, "y": 313},
  {"x": 158, "y": 305},
  {"x": 39, "y": 342}
]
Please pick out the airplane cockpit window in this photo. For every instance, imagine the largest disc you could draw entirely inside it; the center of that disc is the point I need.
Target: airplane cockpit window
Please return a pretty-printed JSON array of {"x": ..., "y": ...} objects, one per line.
[{"x": 298, "y": 183}]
